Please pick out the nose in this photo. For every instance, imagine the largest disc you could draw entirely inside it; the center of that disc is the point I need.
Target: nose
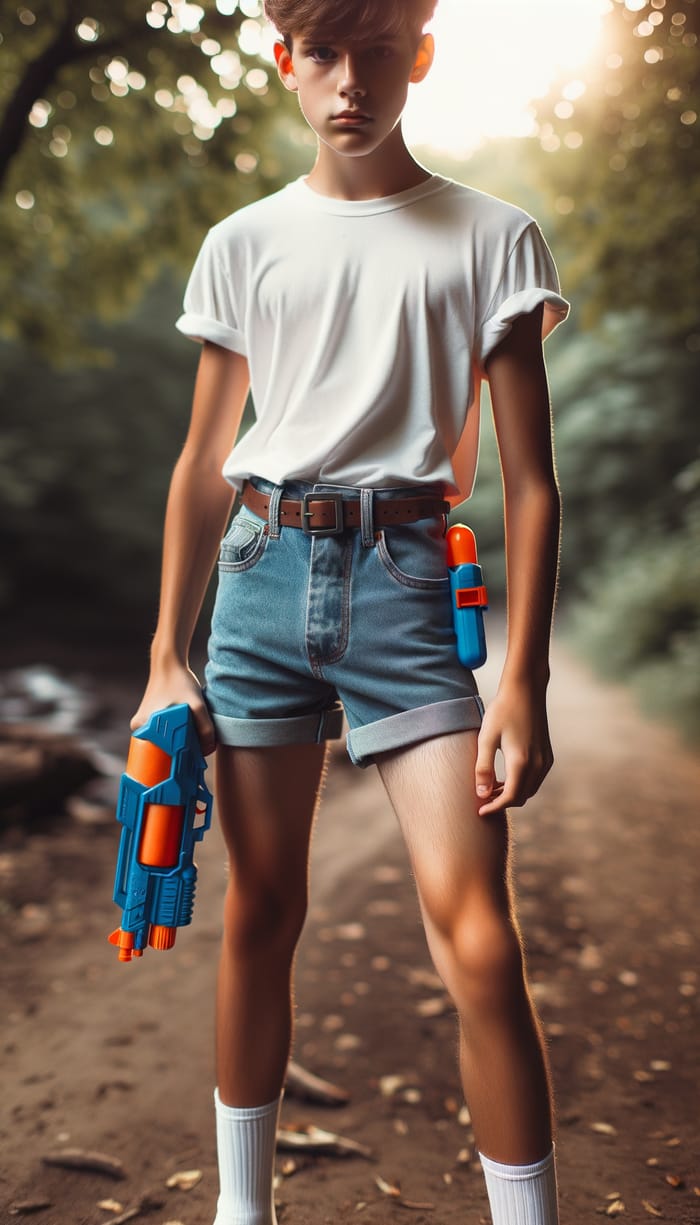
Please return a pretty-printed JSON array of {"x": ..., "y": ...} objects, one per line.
[{"x": 349, "y": 81}]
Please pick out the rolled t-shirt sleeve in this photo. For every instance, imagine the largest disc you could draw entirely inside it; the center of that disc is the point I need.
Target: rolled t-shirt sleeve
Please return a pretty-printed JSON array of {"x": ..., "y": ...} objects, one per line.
[
  {"x": 529, "y": 278},
  {"x": 209, "y": 307}
]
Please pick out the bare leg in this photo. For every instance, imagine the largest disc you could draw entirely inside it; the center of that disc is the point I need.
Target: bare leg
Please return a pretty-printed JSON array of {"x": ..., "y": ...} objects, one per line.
[
  {"x": 460, "y": 861},
  {"x": 267, "y": 800}
]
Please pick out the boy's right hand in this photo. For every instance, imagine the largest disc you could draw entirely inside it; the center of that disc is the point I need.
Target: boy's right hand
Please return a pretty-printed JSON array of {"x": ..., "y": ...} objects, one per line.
[{"x": 170, "y": 688}]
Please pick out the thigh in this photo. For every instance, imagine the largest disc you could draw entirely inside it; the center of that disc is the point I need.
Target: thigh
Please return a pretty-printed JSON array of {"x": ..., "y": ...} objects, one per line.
[
  {"x": 266, "y": 802},
  {"x": 460, "y": 859}
]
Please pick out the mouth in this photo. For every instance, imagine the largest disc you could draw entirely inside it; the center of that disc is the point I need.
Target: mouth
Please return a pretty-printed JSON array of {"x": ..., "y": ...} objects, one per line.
[{"x": 351, "y": 119}]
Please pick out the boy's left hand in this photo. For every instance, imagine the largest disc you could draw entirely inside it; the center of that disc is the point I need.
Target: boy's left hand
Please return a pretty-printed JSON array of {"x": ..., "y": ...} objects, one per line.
[{"x": 515, "y": 722}]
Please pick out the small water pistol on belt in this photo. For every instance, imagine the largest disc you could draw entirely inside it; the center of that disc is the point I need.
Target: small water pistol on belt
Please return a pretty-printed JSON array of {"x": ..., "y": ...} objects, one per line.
[
  {"x": 469, "y": 598},
  {"x": 165, "y": 808}
]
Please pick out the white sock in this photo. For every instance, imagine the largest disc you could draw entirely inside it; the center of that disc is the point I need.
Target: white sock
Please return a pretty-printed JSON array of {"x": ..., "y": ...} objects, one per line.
[
  {"x": 522, "y": 1194},
  {"x": 245, "y": 1142}
]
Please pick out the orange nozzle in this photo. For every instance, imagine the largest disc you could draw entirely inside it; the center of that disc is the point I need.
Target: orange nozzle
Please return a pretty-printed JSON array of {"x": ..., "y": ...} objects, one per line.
[
  {"x": 125, "y": 943},
  {"x": 162, "y": 937},
  {"x": 461, "y": 545}
]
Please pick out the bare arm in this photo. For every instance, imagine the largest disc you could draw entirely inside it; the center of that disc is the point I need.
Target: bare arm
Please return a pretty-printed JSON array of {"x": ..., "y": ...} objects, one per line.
[
  {"x": 199, "y": 502},
  {"x": 516, "y": 721}
]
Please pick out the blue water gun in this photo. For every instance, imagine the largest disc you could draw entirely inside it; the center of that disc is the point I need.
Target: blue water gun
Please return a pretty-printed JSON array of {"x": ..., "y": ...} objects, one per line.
[
  {"x": 469, "y": 597},
  {"x": 165, "y": 808}
]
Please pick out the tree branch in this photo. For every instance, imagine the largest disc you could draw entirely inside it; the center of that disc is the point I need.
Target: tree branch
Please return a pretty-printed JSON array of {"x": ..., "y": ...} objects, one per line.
[{"x": 39, "y": 74}]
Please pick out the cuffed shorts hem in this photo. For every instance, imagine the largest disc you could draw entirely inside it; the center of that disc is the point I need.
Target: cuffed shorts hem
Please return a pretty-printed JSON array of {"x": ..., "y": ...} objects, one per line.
[
  {"x": 411, "y": 726},
  {"x": 299, "y": 729}
]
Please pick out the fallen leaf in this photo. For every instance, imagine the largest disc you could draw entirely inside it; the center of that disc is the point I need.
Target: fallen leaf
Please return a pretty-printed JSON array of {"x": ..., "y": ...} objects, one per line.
[
  {"x": 184, "y": 1180},
  {"x": 145, "y": 1204},
  {"x": 673, "y": 1180},
  {"x": 300, "y": 1082},
  {"x": 388, "y": 1085},
  {"x": 316, "y": 1140},
  {"x": 409, "y": 1203},
  {"x": 660, "y": 1065},
  {"x": 387, "y": 1188},
  {"x": 289, "y": 1167},
  {"x": 605, "y": 1129},
  {"x": 85, "y": 1159},
  {"x": 651, "y": 1208},
  {"x": 673, "y": 1142},
  {"x": 616, "y": 1208},
  {"x": 387, "y": 874},
  {"x": 111, "y": 1205},
  {"x": 380, "y": 962},
  {"x": 425, "y": 978},
  {"x": 628, "y": 978},
  {"x": 590, "y": 957},
  {"x": 412, "y": 1096},
  {"x": 348, "y": 1042},
  {"x": 28, "y": 1206},
  {"x": 332, "y": 1021},
  {"x": 434, "y": 1007},
  {"x": 652, "y": 1161},
  {"x": 351, "y": 931}
]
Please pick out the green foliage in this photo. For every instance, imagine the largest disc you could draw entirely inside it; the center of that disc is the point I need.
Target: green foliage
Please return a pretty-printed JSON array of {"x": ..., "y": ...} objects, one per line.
[
  {"x": 624, "y": 170},
  {"x": 626, "y": 185},
  {"x": 87, "y": 226},
  {"x": 640, "y": 619},
  {"x": 85, "y": 457}
]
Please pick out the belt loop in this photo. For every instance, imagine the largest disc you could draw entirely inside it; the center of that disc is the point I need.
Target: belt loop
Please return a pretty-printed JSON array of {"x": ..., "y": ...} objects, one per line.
[
  {"x": 274, "y": 512},
  {"x": 367, "y": 518}
]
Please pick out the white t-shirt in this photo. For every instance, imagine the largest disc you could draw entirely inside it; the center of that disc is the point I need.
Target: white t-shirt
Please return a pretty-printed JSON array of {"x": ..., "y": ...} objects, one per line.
[{"x": 366, "y": 324}]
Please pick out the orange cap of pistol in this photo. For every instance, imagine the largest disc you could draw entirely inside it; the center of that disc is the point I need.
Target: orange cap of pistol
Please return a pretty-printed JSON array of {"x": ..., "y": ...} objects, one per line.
[{"x": 461, "y": 546}]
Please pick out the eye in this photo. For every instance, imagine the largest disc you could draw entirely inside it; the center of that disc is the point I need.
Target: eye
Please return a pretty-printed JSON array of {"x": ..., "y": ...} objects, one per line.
[{"x": 322, "y": 54}]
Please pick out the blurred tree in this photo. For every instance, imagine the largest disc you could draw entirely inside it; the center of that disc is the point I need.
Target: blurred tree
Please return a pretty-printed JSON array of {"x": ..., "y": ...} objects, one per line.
[
  {"x": 124, "y": 135},
  {"x": 626, "y": 175},
  {"x": 626, "y": 186}
]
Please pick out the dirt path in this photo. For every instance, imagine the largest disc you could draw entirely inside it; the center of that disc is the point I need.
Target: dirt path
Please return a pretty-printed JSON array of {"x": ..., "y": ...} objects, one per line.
[{"x": 118, "y": 1058}]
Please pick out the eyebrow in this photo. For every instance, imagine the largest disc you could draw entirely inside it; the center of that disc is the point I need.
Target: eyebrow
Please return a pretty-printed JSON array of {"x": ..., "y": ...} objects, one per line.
[{"x": 330, "y": 40}]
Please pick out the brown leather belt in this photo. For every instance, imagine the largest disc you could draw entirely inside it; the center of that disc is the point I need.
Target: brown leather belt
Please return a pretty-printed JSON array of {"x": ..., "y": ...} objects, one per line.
[{"x": 328, "y": 514}]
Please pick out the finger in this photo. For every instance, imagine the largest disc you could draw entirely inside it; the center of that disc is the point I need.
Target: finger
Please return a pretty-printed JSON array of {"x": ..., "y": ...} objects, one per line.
[
  {"x": 205, "y": 728},
  {"x": 484, "y": 770},
  {"x": 512, "y": 793}
]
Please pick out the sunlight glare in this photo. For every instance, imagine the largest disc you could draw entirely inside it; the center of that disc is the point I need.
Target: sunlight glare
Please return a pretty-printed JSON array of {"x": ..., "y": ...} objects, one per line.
[{"x": 492, "y": 59}]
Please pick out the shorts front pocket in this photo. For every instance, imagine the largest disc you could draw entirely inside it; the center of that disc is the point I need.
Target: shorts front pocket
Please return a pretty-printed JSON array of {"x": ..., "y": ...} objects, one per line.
[
  {"x": 415, "y": 555},
  {"x": 244, "y": 543}
]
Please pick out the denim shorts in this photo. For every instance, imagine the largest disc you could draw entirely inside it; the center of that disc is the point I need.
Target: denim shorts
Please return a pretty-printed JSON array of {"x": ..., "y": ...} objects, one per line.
[{"x": 307, "y": 627}]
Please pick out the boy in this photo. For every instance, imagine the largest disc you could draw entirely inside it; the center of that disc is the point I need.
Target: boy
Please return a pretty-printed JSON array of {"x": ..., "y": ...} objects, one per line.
[{"x": 364, "y": 303}]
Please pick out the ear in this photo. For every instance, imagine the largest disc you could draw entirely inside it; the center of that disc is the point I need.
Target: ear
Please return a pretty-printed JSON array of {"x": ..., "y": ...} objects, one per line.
[
  {"x": 424, "y": 58},
  {"x": 285, "y": 67}
]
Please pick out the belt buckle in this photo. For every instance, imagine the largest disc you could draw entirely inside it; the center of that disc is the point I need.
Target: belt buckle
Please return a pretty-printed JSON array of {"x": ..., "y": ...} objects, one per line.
[{"x": 336, "y": 499}]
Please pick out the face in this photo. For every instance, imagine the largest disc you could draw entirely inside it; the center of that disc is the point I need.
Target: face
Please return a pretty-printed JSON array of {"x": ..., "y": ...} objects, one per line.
[{"x": 353, "y": 95}]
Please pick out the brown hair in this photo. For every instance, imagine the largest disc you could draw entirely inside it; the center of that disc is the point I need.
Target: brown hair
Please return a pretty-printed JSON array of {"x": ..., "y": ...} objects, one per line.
[{"x": 336, "y": 19}]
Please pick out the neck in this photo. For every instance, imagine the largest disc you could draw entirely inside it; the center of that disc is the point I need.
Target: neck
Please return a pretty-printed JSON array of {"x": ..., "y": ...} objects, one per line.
[{"x": 384, "y": 172}]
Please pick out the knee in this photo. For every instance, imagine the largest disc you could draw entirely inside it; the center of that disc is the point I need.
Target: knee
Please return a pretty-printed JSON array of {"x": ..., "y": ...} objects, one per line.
[
  {"x": 482, "y": 958},
  {"x": 263, "y": 918}
]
